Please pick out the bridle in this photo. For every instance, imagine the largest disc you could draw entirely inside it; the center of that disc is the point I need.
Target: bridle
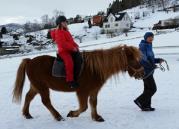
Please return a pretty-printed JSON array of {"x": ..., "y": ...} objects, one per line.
[
  {"x": 139, "y": 73},
  {"x": 136, "y": 71}
]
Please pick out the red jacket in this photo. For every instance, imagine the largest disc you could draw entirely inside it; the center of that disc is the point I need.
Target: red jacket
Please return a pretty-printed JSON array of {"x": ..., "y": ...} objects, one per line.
[{"x": 64, "y": 40}]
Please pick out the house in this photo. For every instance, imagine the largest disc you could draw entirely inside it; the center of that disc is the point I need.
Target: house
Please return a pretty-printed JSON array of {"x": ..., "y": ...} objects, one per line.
[
  {"x": 115, "y": 23},
  {"x": 97, "y": 20}
]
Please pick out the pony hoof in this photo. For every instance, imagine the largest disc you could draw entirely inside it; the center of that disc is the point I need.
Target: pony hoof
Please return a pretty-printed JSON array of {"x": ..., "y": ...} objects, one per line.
[
  {"x": 99, "y": 119},
  {"x": 28, "y": 116},
  {"x": 72, "y": 114},
  {"x": 60, "y": 118}
]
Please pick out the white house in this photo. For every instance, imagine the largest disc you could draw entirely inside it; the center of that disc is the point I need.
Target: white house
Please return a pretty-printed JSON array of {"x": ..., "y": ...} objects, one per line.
[{"x": 117, "y": 23}]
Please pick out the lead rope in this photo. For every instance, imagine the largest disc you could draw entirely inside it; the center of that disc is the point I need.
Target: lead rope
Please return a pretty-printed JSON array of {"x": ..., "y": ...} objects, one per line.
[{"x": 161, "y": 67}]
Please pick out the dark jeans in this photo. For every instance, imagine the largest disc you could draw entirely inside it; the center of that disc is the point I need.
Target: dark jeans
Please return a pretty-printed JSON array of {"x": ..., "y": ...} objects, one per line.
[{"x": 149, "y": 90}]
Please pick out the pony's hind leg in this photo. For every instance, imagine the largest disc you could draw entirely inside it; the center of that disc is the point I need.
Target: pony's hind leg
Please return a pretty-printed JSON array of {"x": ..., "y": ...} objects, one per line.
[
  {"x": 45, "y": 96},
  {"x": 93, "y": 103},
  {"x": 83, "y": 105},
  {"x": 29, "y": 97}
]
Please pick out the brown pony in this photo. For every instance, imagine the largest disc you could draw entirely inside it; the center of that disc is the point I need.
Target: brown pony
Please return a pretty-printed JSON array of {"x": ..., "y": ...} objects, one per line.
[{"x": 99, "y": 65}]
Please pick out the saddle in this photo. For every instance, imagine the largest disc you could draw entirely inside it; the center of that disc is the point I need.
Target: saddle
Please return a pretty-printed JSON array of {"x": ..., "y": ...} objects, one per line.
[{"x": 58, "y": 69}]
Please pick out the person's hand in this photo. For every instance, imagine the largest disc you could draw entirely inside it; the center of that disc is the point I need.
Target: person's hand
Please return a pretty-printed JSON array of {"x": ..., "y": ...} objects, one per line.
[{"x": 161, "y": 60}]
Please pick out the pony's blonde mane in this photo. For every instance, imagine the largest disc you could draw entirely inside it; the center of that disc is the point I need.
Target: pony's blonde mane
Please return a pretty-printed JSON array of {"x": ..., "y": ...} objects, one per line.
[{"x": 108, "y": 62}]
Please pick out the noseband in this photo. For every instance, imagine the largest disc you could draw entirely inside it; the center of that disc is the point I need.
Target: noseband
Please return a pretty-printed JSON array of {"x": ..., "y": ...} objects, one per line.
[{"x": 136, "y": 71}]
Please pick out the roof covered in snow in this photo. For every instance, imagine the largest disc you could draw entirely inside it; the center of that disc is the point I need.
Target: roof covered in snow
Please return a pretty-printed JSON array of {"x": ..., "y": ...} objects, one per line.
[{"x": 118, "y": 16}]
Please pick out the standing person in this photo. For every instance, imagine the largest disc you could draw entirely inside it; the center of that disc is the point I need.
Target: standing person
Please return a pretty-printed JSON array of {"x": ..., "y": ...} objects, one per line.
[
  {"x": 149, "y": 63},
  {"x": 66, "y": 48}
]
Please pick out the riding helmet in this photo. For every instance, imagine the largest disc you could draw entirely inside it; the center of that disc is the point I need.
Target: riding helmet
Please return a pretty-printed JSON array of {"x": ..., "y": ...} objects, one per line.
[{"x": 61, "y": 19}]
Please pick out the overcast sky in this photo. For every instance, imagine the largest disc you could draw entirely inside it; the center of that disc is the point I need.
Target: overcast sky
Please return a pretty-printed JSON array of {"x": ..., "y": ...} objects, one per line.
[{"x": 23, "y": 10}]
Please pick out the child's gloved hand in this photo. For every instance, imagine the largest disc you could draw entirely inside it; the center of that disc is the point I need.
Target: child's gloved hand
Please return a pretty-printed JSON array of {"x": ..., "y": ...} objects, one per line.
[{"x": 75, "y": 50}]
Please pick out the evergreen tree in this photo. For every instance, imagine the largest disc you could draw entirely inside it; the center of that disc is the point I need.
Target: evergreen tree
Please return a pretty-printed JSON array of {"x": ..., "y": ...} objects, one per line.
[
  {"x": 4, "y": 30},
  {"x": 0, "y": 35},
  {"x": 118, "y": 6}
]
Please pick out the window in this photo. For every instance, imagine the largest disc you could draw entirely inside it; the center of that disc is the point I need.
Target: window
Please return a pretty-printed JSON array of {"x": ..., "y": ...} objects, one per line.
[
  {"x": 126, "y": 18},
  {"x": 116, "y": 24},
  {"x": 111, "y": 19},
  {"x": 107, "y": 26}
]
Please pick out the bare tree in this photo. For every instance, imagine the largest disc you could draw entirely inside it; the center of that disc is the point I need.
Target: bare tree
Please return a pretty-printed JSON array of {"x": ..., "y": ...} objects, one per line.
[
  {"x": 163, "y": 4},
  {"x": 45, "y": 19},
  {"x": 30, "y": 27},
  {"x": 57, "y": 13},
  {"x": 27, "y": 26},
  {"x": 157, "y": 3}
]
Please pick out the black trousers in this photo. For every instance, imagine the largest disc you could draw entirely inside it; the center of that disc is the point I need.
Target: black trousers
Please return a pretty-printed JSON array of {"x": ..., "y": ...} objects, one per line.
[{"x": 149, "y": 90}]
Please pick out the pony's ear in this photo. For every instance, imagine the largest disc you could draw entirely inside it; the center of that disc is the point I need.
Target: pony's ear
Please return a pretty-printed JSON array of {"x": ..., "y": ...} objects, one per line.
[
  {"x": 128, "y": 50},
  {"x": 124, "y": 47}
]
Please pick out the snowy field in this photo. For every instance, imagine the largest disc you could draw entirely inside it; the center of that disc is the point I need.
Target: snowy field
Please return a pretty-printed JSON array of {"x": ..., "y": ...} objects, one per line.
[{"x": 115, "y": 101}]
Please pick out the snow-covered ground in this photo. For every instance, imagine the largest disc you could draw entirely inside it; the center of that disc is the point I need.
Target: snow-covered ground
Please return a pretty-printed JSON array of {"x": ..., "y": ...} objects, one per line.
[{"x": 150, "y": 18}]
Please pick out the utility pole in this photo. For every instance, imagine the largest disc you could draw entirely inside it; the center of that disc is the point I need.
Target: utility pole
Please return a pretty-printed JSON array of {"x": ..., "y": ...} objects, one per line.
[{"x": 163, "y": 4}]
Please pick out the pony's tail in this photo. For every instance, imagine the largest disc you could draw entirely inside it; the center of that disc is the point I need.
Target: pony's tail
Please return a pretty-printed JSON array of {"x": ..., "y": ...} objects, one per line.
[{"x": 19, "y": 83}]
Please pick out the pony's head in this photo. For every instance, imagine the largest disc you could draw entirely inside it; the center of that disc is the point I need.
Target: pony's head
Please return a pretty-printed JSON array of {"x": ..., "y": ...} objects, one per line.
[{"x": 134, "y": 68}]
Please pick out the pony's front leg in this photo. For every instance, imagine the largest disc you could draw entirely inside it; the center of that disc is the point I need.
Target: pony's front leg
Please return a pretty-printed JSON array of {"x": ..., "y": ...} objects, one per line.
[
  {"x": 45, "y": 96},
  {"x": 83, "y": 105},
  {"x": 93, "y": 103}
]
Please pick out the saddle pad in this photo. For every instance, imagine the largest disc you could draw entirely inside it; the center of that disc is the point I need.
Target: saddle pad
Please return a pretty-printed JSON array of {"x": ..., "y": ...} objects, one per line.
[{"x": 58, "y": 69}]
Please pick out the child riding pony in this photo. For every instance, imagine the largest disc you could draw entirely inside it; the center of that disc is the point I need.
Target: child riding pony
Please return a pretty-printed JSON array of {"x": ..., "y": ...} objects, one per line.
[{"x": 66, "y": 48}]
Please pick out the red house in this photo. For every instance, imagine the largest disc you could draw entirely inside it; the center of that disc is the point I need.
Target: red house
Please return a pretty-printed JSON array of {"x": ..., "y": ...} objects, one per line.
[{"x": 97, "y": 20}]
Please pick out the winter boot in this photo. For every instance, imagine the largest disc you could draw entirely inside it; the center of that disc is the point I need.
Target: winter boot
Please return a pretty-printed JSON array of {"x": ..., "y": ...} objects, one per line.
[
  {"x": 148, "y": 109},
  {"x": 138, "y": 104}
]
